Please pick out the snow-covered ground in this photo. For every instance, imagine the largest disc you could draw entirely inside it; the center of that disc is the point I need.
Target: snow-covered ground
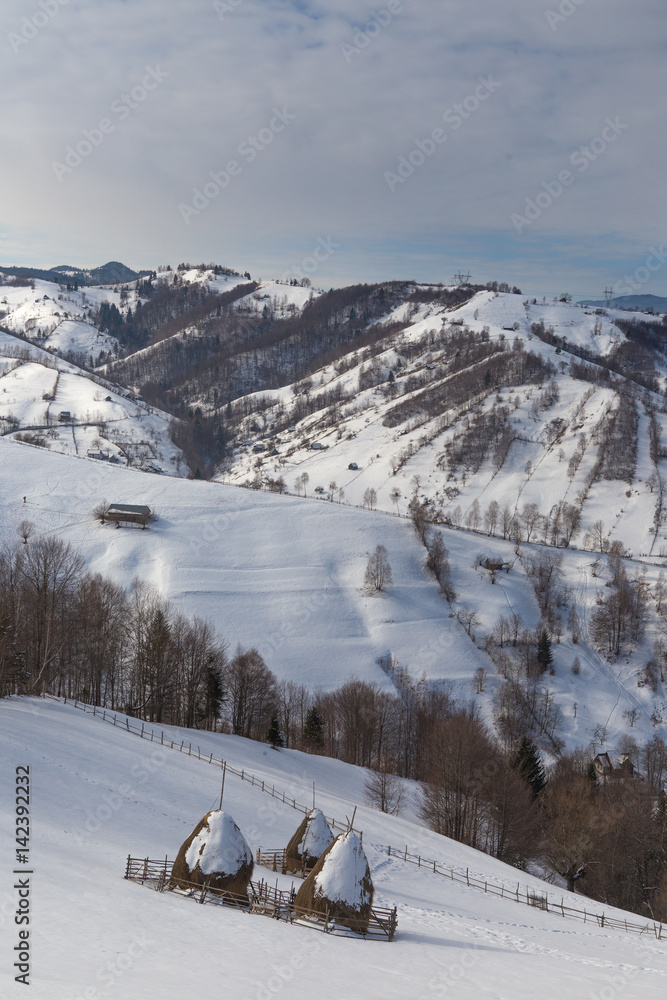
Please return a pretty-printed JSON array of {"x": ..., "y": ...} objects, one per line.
[
  {"x": 286, "y": 575},
  {"x": 99, "y": 794}
]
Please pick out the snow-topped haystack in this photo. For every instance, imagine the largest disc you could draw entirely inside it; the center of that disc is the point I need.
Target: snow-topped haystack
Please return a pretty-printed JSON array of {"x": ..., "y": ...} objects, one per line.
[
  {"x": 216, "y": 854},
  {"x": 340, "y": 884},
  {"x": 309, "y": 842}
]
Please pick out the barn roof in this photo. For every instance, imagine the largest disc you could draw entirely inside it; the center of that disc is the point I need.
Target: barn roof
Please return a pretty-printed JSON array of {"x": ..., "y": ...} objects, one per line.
[{"x": 129, "y": 508}]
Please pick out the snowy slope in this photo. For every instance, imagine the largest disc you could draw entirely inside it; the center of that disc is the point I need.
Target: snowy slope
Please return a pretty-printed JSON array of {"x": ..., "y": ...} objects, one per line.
[
  {"x": 99, "y": 794},
  {"x": 84, "y": 339},
  {"x": 285, "y": 575},
  {"x": 282, "y": 574}
]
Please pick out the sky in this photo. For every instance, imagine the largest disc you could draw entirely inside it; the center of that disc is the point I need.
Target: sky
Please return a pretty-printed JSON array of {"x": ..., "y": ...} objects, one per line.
[{"x": 521, "y": 141}]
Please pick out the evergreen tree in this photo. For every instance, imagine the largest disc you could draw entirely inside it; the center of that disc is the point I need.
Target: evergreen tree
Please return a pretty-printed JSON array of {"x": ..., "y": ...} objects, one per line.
[
  {"x": 545, "y": 657},
  {"x": 274, "y": 735},
  {"x": 313, "y": 730},
  {"x": 527, "y": 761}
]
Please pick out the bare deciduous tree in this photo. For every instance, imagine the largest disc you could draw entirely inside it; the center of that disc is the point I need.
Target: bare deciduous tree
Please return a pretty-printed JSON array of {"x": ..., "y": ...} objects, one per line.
[
  {"x": 370, "y": 498},
  {"x": 384, "y": 791},
  {"x": 378, "y": 570}
]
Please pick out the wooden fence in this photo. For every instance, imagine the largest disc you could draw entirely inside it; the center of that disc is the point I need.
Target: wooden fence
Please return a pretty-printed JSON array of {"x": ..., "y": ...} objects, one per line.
[
  {"x": 277, "y": 861},
  {"x": 529, "y": 897},
  {"x": 262, "y": 899},
  {"x": 141, "y": 730}
]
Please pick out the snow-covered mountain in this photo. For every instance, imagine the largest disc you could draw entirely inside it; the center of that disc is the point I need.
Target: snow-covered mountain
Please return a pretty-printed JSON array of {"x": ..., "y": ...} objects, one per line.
[{"x": 99, "y": 794}]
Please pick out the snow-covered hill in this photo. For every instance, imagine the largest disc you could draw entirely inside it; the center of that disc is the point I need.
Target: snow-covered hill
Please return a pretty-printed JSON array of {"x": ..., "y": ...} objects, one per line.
[
  {"x": 286, "y": 575},
  {"x": 49, "y": 403},
  {"x": 98, "y": 794},
  {"x": 369, "y": 424},
  {"x": 56, "y": 318}
]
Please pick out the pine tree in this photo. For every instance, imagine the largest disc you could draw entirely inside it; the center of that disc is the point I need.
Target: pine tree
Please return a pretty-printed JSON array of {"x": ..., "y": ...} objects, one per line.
[
  {"x": 527, "y": 761},
  {"x": 313, "y": 730},
  {"x": 545, "y": 657},
  {"x": 274, "y": 735}
]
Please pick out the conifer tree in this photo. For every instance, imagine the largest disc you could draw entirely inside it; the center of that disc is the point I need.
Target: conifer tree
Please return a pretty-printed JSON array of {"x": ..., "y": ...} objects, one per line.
[
  {"x": 527, "y": 761},
  {"x": 313, "y": 730},
  {"x": 545, "y": 657},
  {"x": 274, "y": 735}
]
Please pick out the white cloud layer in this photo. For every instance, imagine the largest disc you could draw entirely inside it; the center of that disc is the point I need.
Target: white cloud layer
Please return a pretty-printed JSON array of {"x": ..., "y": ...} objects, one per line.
[{"x": 416, "y": 134}]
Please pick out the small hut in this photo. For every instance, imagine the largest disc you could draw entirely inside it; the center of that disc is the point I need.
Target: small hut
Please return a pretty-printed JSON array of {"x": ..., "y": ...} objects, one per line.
[
  {"x": 339, "y": 886},
  {"x": 215, "y": 855},
  {"x": 128, "y": 513},
  {"x": 309, "y": 842}
]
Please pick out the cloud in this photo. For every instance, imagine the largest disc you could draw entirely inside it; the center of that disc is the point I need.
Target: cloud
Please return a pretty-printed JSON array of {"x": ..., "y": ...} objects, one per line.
[{"x": 368, "y": 86}]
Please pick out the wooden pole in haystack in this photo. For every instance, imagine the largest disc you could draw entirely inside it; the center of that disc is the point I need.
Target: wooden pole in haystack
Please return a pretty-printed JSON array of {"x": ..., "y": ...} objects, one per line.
[{"x": 222, "y": 790}]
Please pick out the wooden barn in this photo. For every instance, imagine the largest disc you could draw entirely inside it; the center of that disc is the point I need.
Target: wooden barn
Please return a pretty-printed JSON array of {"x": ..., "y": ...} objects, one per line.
[{"x": 128, "y": 513}]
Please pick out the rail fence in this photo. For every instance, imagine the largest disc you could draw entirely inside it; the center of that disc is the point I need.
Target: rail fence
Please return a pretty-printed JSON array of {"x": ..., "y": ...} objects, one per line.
[
  {"x": 526, "y": 896},
  {"x": 261, "y": 899},
  {"x": 529, "y": 897},
  {"x": 195, "y": 751},
  {"x": 277, "y": 861}
]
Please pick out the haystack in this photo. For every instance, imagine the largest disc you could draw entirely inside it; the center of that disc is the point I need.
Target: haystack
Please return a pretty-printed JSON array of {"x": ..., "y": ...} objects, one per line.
[
  {"x": 340, "y": 884},
  {"x": 216, "y": 855},
  {"x": 309, "y": 842}
]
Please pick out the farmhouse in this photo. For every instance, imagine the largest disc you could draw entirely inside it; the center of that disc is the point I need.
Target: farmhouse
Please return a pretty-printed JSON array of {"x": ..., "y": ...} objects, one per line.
[{"x": 605, "y": 769}]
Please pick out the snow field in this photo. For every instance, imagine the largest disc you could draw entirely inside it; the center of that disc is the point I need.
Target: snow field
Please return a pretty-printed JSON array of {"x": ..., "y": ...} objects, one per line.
[{"x": 99, "y": 794}]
